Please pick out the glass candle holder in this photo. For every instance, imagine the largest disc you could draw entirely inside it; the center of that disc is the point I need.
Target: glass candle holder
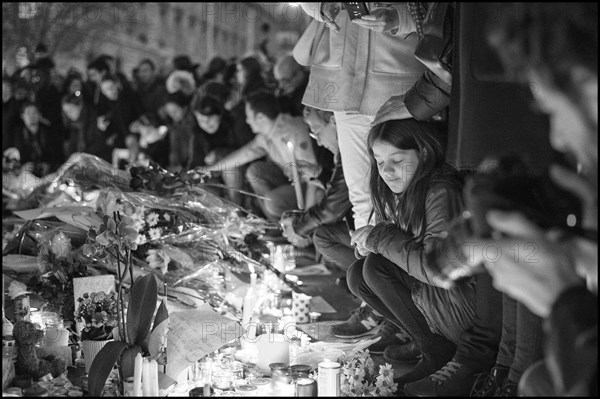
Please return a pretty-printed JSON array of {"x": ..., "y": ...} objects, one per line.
[{"x": 222, "y": 378}]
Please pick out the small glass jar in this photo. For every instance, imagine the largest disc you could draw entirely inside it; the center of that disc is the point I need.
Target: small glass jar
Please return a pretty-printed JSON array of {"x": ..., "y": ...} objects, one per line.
[
  {"x": 202, "y": 372},
  {"x": 201, "y": 391},
  {"x": 300, "y": 371},
  {"x": 237, "y": 370},
  {"x": 279, "y": 370},
  {"x": 222, "y": 378}
]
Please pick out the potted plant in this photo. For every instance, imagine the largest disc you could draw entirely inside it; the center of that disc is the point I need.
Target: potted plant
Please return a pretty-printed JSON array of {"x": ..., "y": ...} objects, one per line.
[
  {"x": 140, "y": 337},
  {"x": 98, "y": 311},
  {"x": 117, "y": 237}
]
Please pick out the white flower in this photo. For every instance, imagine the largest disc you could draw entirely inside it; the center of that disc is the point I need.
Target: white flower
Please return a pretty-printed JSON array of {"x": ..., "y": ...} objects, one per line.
[
  {"x": 158, "y": 259},
  {"x": 139, "y": 225},
  {"x": 152, "y": 219},
  {"x": 60, "y": 245},
  {"x": 141, "y": 239},
  {"x": 167, "y": 217},
  {"x": 386, "y": 371},
  {"x": 155, "y": 233}
]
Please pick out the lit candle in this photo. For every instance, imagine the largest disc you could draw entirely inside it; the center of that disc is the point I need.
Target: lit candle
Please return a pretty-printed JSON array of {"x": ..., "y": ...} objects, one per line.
[
  {"x": 146, "y": 378},
  {"x": 153, "y": 369},
  {"x": 252, "y": 277},
  {"x": 296, "y": 178},
  {"x": 248, "y": 307},
  {"x": 137, "y": 376}
]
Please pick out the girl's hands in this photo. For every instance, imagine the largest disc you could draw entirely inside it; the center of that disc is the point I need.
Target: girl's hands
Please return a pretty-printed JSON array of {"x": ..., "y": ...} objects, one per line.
[{"x": 359, "y": 238}]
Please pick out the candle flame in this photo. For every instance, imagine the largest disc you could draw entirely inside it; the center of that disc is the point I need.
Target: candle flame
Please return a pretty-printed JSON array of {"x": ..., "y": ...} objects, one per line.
[{"x": 290, "y": 145}]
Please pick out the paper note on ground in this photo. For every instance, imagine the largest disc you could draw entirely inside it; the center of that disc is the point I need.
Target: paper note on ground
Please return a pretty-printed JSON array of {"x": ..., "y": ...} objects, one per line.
[{"x": 194, "y": 334}]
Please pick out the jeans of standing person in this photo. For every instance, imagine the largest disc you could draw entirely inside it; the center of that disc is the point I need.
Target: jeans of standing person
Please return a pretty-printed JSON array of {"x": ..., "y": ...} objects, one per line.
[
  {"x": 353, "y": 130},
  {"x": 522, "y": 338},
  {"x": 268, "y": 180},
  {"x": 332, "y": 241},
  {"x": 387, "y": 288},
  {"x": 478, "y": 346}
]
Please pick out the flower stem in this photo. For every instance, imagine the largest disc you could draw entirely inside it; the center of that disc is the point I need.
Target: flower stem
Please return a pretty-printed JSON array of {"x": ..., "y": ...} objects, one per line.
[
  {"x": 121, "y": 281},
  {"x": 130, "y": 265},
  {"x": 120, "y": 300}
]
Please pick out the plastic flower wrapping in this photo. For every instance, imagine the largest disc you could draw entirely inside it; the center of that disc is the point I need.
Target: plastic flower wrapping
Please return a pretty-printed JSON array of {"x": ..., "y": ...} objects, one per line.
[{"x": 192, "y": 240}]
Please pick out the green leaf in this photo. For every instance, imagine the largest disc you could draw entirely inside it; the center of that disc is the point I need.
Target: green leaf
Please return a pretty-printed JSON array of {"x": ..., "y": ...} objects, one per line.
[
  {"x": 144, "y": 343},
  {"x": 141, "y": 308},
  {"x": 128, "y": 361},
  {"x": 161, "y": 314},
  {"x": 102, "y": 365},
  {"x": 157, "y": 337}
]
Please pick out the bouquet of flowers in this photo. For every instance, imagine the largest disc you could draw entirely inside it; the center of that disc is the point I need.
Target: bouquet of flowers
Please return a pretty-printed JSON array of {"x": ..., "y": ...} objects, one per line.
[
  {"x": 159, "y": 180},
  {"x": 360, "y": 378},
  {"x": 99, "y": 312},
  {"x": 58, "y": 267}
]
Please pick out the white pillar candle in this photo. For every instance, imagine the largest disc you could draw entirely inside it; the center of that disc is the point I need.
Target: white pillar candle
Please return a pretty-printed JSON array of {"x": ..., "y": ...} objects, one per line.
[
  {"x": 137, "y": 376},
  {"x": 296, "y": 178},
  {"x": 252, "y": 329},
  {"x": 145, "y": 377},
  {"x": 153, "y": 366},
  {"x": 248, "y": 307}
]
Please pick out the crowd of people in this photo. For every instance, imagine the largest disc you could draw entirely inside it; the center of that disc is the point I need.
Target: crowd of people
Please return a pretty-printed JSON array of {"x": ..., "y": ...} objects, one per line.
[{"x": 369, "y": 159}]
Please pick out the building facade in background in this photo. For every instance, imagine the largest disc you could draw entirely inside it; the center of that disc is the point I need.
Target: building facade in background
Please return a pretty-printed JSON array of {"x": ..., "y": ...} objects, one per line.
[{"x": 77, "y": 32}]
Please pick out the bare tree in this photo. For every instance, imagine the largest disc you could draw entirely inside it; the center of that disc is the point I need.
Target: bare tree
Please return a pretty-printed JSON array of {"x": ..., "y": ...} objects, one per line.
[{"x": 62, "y": 26}]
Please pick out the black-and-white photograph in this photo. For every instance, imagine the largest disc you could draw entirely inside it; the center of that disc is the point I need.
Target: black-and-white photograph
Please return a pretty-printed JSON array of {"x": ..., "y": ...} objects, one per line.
[{"x": 300, "y": 199}]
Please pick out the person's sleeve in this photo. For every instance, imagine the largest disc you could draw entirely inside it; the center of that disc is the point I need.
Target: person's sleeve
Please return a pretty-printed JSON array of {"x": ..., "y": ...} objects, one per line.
[
  {"x": 571, "y": 346},
  {"x": 399, "y": 247},
  {"x": 304, "y": 154},
  {"x": 332, "y": 208},
  {"x": 406, "y": 24},
  {"x": 242, "y": 156},
  {"x": 428, "y": 96},
  {"x": 313, "y": 10}
]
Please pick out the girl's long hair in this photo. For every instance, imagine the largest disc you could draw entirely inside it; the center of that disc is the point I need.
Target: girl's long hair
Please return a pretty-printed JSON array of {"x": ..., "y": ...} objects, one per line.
[{"x": 407, "y": 210}]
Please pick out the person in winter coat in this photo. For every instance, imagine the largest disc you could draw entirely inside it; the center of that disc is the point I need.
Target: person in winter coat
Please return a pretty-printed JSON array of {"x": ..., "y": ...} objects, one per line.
[{"x": 353, "y": 71}]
